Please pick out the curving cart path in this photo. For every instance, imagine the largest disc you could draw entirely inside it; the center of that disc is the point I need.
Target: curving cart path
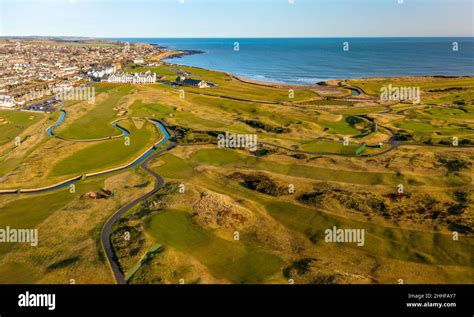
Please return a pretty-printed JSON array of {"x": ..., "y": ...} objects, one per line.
[{"x": 107, "y": 229}]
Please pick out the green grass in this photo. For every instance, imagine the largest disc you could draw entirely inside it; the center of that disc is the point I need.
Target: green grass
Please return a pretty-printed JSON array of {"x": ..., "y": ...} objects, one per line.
[
  {"x": 97, "y": 122},
  {"x": 109, "y": 153},
  {"x": 330, "y": 102},
  {"x": 230, "y": 87},
  {"x": 104, "y": 87},
  {"x": 232, "y": 260},
  {"x": 17, "y": 273},
  {"x": 275, "y": 113},
  {"x": 451, "y": 113},
  {"x": 340, "y": 127},
  {"x": 162, "y": 70},
  {"x": 395, "y": 243},
  {"x": 18, "y": 121},
  {"x": 359, "y": 110},
  {"x": 330, "y": 147},
  {"x": 32, "y": 209},
  {"x": 176, "y": 167},
  {"x": 424, "y": 128},
  {"x": 372, "y": 87},
  {"x": 140, "y": 109},
  {"x": 406, "y": 245},
  {"x": 182, "y": 118},
  {"x": 450, "y": 97}
]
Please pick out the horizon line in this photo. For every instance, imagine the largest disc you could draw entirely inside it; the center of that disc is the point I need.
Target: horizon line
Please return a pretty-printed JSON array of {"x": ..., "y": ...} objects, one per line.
[{"x": 240, "y": 37}]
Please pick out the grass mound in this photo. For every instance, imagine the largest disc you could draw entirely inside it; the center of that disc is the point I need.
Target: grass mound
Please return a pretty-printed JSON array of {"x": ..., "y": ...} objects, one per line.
[{"x": 261, "y": 183}]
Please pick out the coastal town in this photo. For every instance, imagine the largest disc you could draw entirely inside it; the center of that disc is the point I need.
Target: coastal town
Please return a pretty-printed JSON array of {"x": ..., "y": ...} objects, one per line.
[{"x": 32, "y": 70}]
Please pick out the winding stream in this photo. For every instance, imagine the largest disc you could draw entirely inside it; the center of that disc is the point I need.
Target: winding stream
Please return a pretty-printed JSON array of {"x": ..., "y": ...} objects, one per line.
[
  {"x": 125, "y": 133},
  {"x": 57, "y": 123},
  {"x": 61, "y": 118}
]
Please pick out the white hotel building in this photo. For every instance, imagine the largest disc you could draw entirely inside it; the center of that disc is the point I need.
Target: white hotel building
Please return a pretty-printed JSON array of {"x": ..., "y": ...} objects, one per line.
[
  {"x": 7, "y": 101},
  {"x": 101, "y": 72},
  {"x": 136, "y": 78}
]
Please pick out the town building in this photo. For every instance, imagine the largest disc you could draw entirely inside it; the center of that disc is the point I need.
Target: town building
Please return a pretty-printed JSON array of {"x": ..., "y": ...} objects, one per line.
[
  {"x": 101, "y": 72},
  {"x": 135, "y": 78},
  {"x": 139, "y": 61},
  {"x": 44, "y": 66},
  {"x": 7, "y": 101},
  {"x": 189, "y": 82}
]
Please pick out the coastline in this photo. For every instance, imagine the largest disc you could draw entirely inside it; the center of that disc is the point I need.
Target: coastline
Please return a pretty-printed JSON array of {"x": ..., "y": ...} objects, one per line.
[
  {"x": 317, "y": 61},
  {"x": 172, "y": 54},
  {"x": 167, "y": 55},
  {"x": 328, "y": 84}
]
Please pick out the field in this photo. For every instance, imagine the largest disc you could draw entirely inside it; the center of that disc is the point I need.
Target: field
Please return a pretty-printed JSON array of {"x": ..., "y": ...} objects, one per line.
[
  {"x": 90, "y": 159},
  {"x": 68, "y": 231},
  {"x": 12, "y": 123},
  {"x": 235, "y": 262},
  {"x": 401, "y": 172},
  {"x": 96, "y": 122}
]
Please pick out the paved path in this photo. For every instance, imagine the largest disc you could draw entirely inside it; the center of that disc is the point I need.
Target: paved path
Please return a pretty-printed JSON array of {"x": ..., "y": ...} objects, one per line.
[{"x": 107, "y": 229}]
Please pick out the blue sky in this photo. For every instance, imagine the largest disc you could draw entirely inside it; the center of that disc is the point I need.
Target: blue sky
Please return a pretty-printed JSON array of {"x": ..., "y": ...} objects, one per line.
[{"x": 237, "y": 18}]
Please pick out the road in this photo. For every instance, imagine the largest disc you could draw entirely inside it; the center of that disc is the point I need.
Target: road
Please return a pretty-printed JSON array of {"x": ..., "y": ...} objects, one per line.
[{"x": 107, "y": 229}]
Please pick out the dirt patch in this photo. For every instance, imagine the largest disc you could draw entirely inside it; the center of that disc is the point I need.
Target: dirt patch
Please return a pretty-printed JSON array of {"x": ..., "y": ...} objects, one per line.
[
  {"x": 215, "y": 211},
  {"x": 432, "y": 208},
  {"x": 259, "y": 125},
  {"x": 327, "y": 116},
  {"x": 261, "y": 183},
  {"x": 313, "y": 271}
]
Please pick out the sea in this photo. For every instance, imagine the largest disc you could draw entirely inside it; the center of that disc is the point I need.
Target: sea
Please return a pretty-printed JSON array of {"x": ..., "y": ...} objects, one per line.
[{"x": 311, "y": 60}]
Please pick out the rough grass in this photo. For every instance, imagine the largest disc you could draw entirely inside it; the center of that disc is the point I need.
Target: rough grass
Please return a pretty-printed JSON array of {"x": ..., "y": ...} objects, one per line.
[
  {"x": 408, "y": 248},
  {"x": 231, "y": 87},
  {"x": 234, "y": 159},
  {"x": 13, "y": 123},
  {"x": 359, "y": 110},
  {"x": 372, "y": 86},
  {"x": 232, "y": 260},
  {"x": 69, "y": 230},
  {"x": 423, "y": 128},
  {"x": 406, "y": 245},
  {"x": 29, "y": 210},
  {"x": 340, "y": 127},
  {"x": 330, "y": 102},
  {"x": 330, "y": 147}
]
